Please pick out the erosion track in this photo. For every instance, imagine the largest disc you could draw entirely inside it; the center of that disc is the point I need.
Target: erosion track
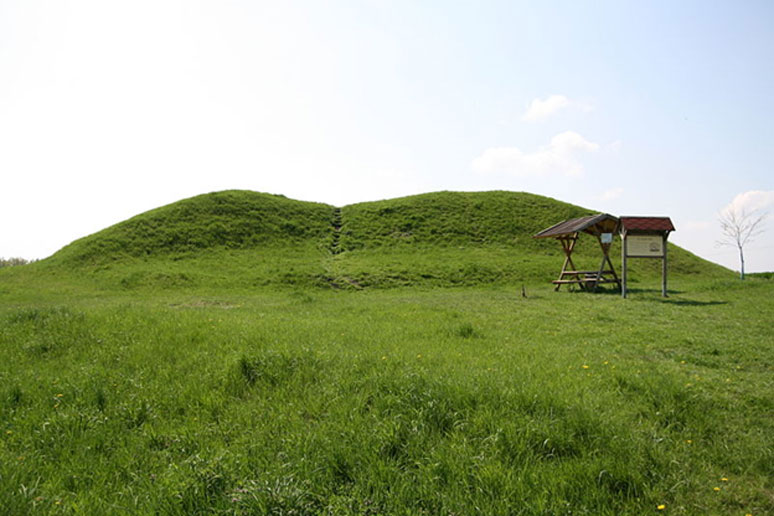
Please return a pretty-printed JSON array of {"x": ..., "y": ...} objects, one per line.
[{"x": 336, "y": 225}]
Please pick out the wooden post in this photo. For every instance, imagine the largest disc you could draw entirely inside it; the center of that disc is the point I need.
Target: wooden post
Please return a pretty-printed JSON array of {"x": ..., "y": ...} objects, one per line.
[
  {"x": 605, "y": 260},
  {"x": 664, "y": 268},
  {"x": 568, "y": 244},
  {"x": 624, "y": 252},
  {"x": 599, "y": 275},
  {"x": 606, "y": 251}
]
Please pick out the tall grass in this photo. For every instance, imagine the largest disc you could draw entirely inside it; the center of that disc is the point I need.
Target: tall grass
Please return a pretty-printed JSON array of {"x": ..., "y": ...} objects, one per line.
[
  {"x": 230, "y": 354},
  {"x": 389, "y": 402}
]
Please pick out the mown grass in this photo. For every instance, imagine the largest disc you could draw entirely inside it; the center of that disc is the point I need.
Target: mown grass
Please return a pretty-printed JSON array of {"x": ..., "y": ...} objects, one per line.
[{"x": 445, "y": 401}]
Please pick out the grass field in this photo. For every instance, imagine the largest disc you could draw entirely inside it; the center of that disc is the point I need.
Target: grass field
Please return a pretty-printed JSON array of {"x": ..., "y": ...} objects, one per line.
[{"x": 206, "y": 382}]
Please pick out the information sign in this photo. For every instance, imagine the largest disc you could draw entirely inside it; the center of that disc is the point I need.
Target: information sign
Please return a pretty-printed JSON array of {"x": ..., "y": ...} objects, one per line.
[{"x": 645, "y": 246}]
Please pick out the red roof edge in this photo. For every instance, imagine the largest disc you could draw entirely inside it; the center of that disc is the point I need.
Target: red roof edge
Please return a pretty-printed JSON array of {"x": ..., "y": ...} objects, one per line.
[{"x": 647, "y": 224}]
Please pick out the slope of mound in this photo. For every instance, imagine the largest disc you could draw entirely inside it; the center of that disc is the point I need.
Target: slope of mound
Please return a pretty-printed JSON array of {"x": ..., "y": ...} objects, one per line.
[
  {"x": 233, "y": 219},
  {"x": 469, "y": 238},
  {"x": 454, "y": 219}
]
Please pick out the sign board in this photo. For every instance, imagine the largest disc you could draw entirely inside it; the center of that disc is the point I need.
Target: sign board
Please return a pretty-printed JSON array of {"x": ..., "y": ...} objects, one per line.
[
  {"x": 606, "y": 238},
  {"x": 645, "y": 237},
  {"x": 645, "y": 246}
]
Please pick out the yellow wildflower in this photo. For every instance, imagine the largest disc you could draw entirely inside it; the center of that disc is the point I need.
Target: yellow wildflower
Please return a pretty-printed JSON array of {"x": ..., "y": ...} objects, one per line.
[
  {"x": 661, "y": 507},
  {"x": 716, "y": 489},
  {"x": 584, "y": 366}
]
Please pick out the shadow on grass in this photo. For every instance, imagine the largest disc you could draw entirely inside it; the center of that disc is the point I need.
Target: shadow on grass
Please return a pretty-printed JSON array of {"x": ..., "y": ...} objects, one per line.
[
  {"x": 601, "y": 291},
  {"x": 692, "y": 302},
  {"x": 652, "y": 291},
  {"x": 642, "y": 294},
  {"x": 655, "y": 295}
]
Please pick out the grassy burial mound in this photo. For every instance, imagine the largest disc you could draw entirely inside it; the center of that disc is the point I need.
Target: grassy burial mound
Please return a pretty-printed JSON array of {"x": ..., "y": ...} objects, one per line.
[
  {"x": 249, "y": 239},
  {"x": 473, "y": 238},
  {"x": 453, "y": 219},
  {"x": 450, "y": 238},
  {"x": 221, "y": 220},
  {"x": 230, "y": 238}
]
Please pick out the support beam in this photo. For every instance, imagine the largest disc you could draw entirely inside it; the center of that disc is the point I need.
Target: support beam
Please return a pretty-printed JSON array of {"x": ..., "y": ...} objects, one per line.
[
  {"x": 568, "y": 244},
  {"x": 624, "y": 253},
  {"x": 664, "y": 269}
]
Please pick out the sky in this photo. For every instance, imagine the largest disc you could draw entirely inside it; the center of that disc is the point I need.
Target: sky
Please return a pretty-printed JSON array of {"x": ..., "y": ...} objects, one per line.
[{"x": 109, "y": 109}]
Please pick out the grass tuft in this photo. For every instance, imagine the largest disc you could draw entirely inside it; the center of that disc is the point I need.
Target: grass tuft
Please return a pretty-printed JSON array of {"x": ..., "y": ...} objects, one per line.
[{"x": 465, "y": 331}]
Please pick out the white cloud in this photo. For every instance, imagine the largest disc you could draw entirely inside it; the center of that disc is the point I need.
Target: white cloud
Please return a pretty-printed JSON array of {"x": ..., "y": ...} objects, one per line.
[
  {"x": 613, "y": 193},
  {"x": 558, "y": 157},
  {"x": 753, "y": 200},
  {"x": 540, "y": 109}
]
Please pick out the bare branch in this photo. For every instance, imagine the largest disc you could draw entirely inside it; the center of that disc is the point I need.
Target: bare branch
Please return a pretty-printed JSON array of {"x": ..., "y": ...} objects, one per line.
[{"x": 740, "y": 228}]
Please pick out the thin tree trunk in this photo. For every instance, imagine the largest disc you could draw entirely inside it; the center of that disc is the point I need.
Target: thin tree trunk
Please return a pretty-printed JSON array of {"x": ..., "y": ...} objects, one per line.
[{"x": 741, "y": 259}]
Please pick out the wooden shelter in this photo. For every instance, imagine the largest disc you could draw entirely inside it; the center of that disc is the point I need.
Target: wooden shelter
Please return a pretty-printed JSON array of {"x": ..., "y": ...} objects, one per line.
[
  {"x": 602, "y": 226},
  {"x": 645, "y": 237}
]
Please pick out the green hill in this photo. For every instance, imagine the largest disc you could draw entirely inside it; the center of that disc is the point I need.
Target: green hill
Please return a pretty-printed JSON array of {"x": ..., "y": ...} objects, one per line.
[
  {"x": 231, "y": 219},
  {"x": 243, "y": 239},
  {"x": 468, "y": 238},
  {"x": 449, "y": 219}
]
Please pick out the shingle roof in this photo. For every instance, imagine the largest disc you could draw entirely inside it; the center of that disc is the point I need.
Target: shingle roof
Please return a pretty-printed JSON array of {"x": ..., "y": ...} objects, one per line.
[
  {"x": 594, "y": 224},
  {"x": 647, "y": 224}
]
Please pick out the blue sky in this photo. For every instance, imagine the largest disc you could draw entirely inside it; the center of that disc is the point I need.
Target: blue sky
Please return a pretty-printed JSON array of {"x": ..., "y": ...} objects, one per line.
[{"x": 108, "y": 109}]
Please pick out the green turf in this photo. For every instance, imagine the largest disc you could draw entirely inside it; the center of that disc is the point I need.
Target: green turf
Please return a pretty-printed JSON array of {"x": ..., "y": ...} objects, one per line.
[{"x": 278, "y": 375}]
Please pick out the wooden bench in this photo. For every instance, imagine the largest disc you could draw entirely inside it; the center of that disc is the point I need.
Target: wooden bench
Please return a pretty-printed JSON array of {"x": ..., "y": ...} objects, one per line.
[{"x": 586, "y": 279}]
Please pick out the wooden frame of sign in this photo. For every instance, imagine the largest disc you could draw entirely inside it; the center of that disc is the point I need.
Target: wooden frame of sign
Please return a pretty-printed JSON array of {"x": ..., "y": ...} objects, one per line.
[{"x": 644, "y": 237}]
